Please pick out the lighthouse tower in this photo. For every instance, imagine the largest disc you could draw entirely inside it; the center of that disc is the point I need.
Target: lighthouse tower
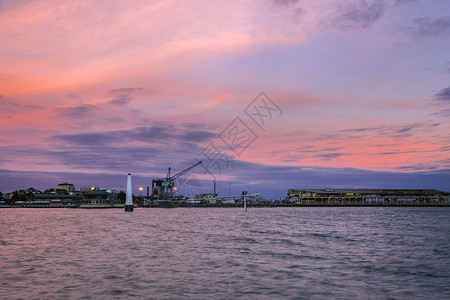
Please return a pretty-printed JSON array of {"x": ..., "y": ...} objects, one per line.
[{"x": 129, "y": 201}]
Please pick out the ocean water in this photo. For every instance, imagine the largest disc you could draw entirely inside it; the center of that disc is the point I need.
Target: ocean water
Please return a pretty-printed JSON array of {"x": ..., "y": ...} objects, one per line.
[{"x": 226, "y": 253}]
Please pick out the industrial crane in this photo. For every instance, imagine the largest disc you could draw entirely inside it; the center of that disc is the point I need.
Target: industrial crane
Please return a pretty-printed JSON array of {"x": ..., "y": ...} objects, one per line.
[{"x": 168, "y": 182}]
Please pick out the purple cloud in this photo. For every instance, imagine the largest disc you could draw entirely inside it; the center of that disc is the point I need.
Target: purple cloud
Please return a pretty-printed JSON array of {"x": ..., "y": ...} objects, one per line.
[
  {"x": 120, "y": 100},
  {"x": 125, "y": 90},
  {"x": 393, "y": 130},
  {"x": 443, "y": 112},
  {"x": 10, "y": 106},
  {"x": 404, "y": 2},
  {"x": 160, "y": 132},
  {"x": 138, "y": 148},
  {"x": 330, "y": 155},
  {"x": 285, "y": 2},
  {"x": 72, "y": 96},
  {"x": 76, "y": 111},
  {"x": 431, "y": 27},
  {"x": 447, "y": 67},
  {"x": 122, "y": 96},
  {"x": 87, "y": 139},
  {"x": 443, "y": 95},
  {"x": 359, "y": 15}
]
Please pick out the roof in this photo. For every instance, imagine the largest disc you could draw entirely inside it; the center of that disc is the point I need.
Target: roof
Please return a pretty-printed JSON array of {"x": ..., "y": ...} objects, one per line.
[{"x": 368, "y": 191}]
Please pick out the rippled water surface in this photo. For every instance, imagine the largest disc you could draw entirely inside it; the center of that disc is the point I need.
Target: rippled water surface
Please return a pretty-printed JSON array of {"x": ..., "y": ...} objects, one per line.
[{"x": 225, "y": 253}]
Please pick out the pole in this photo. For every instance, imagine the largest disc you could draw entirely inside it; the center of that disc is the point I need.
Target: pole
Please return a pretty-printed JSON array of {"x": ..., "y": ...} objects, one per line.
[{"x": 245, "y": 203}]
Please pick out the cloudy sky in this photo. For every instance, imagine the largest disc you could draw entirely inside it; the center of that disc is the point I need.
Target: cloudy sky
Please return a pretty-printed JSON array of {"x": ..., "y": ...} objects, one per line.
[{"x": 269, "y": 94}]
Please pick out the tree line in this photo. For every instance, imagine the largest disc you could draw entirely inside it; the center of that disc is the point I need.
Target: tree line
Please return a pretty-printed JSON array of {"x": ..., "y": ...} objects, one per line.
[{"x": 16, "y": 196}]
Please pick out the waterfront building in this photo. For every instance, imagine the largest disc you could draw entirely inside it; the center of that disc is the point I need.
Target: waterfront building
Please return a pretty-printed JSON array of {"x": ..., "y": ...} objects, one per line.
[
  {"x": 56, "y": 191},
  {"x": 66, "y": 186},
  {"x": 89, "y": 188},
  {"x": 99, "y": 199},
  {"x": 34, "y": 191},
  {"x": 366, "y": 196},
  {"x": 209, "y": 198},
  {"x": 55, "y": 200}
]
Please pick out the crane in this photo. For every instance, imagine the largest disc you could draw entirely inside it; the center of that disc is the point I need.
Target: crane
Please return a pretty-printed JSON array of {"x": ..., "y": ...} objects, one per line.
[{"x": 168, "y": 182}]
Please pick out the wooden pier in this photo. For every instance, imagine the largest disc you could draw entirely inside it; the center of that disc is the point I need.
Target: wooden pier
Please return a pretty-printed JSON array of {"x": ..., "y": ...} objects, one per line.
[{"x": 366, "y": 197}]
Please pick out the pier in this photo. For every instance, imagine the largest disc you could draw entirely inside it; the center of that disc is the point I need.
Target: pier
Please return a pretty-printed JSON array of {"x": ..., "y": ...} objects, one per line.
[{"x": 366, "y": 197}]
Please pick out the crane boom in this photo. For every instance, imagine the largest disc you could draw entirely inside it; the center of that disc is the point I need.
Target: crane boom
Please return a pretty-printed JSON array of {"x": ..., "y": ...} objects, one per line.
[{"x": 183, "y": 172}]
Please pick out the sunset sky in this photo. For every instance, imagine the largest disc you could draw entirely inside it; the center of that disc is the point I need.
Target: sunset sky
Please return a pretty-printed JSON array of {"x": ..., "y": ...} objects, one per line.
[{"x": 93, "y": 90}]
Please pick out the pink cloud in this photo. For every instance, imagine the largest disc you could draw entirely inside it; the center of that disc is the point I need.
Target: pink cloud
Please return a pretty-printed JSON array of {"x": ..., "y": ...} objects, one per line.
[{"x": 87, "y": 68}]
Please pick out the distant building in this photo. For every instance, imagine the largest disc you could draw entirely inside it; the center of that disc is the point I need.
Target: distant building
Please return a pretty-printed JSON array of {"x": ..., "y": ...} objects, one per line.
[
  {"x": 57, "y": 199},
  {"x": 89, "y": 188},
  {"x": 367, "y": 196},
  {"x": 157, "y": 189},
  {"x": 56, "y": 191},
  {"x": 33, "y": 190},
  {"x": 207, "y": 198},
  {"x": 66, "y": 186},
  {"x": 99, "y": 197}
]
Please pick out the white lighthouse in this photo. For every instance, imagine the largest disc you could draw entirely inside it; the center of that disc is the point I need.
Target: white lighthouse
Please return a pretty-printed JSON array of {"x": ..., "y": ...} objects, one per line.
[{"x": 129, "y": 201}]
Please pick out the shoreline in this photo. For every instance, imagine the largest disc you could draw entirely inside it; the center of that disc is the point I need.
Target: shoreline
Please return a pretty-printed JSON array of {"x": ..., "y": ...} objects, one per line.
[{"x": 241, "y": 206}]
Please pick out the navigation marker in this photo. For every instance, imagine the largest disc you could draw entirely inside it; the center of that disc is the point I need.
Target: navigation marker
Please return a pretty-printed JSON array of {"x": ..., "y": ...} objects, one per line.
[{"x": 129, "y": 201}]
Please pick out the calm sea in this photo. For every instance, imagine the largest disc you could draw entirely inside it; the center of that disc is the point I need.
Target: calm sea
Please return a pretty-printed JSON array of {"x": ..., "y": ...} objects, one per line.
[{"x": 225, "y": 253}]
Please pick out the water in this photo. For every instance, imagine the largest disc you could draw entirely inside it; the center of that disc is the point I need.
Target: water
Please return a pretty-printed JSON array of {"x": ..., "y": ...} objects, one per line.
[{"x": 225, "y": 253}]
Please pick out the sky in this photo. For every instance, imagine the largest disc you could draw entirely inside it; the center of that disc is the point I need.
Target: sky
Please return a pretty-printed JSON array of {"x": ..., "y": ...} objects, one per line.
[{"x": 268, "y": 94}]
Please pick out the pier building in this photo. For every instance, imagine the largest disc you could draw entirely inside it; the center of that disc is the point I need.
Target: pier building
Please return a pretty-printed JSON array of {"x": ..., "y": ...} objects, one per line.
[{"x": 368, "y": 196}]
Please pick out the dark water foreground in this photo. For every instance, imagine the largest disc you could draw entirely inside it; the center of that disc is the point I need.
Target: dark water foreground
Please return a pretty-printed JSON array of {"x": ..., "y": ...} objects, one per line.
[{"x": 216, "y": 253}]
